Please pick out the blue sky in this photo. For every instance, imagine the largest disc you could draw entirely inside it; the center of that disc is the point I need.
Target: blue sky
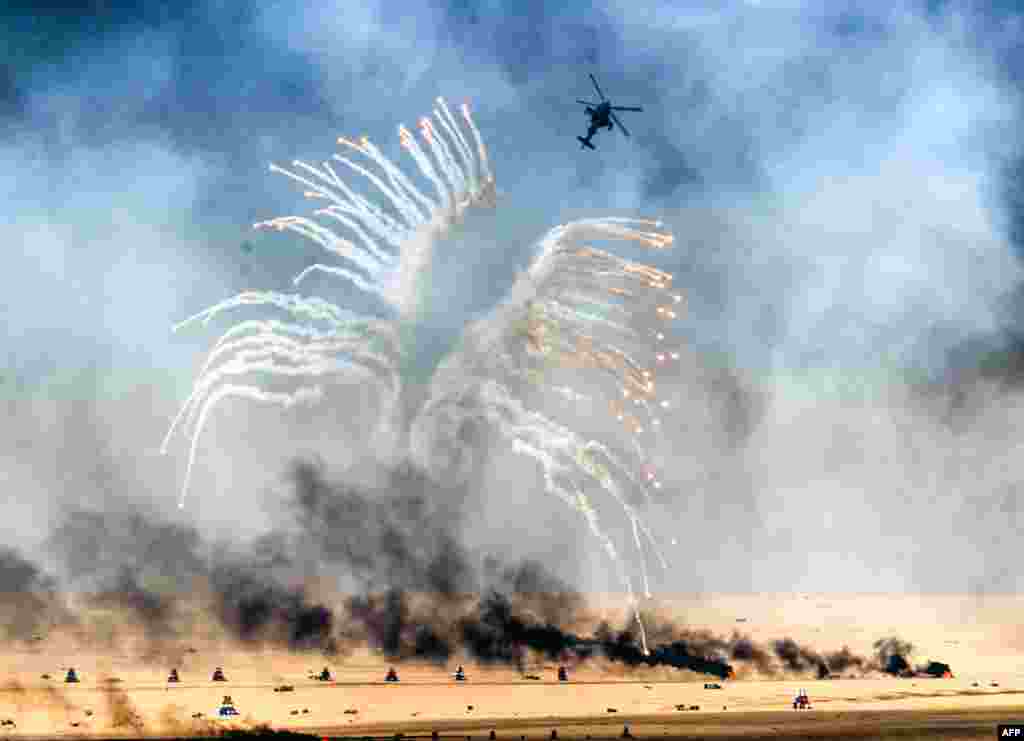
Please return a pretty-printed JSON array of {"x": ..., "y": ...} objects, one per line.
[{"x": 841, "y": 181}]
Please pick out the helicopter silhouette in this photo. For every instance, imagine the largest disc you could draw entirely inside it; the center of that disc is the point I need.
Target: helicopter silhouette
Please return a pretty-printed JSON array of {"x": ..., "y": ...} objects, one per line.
[{"x": 601, "y": 116}]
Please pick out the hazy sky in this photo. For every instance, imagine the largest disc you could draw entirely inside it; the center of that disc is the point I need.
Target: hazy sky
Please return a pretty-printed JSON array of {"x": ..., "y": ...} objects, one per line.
[{"x": 840, "y": 179}]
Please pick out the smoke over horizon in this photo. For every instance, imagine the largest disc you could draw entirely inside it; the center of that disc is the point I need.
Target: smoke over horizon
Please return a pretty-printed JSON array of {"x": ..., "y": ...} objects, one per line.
[
  {"x": 426, "y": 597},
  {"x": 844, "y": 188}
]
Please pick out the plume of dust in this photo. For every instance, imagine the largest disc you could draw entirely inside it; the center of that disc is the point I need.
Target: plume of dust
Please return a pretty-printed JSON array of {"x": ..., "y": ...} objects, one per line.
[
  {"x": 382, "y": 251},
  {"x": 171, "y": 720},
  {"x": 17, "y": 691},
  {"x": 53, "y": 700}
]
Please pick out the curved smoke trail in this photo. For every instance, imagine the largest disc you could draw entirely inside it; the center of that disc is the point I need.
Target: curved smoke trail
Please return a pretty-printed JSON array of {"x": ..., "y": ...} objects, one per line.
[
  {"x": 598, "y": 320},
  {"x": 384, "y": 257}
]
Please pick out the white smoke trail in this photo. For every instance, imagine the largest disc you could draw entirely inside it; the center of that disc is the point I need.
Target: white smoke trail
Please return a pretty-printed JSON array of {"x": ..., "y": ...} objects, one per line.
[
  {"x": 576, "y": 307},
  {"x": 388, "y": 253},
  {"x": 557, "y": 318}
]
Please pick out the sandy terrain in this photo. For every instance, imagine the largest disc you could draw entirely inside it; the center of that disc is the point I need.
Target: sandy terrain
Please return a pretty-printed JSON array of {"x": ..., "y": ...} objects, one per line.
[{"x": 981, "y": 640}]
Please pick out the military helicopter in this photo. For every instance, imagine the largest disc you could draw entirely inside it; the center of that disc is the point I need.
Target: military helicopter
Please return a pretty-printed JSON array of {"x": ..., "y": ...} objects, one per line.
[{"x": 601, "y": 116}]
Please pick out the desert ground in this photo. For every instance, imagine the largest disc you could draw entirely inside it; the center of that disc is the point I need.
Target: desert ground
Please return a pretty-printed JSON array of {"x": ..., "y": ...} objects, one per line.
[{"x": 124, "y": 694}]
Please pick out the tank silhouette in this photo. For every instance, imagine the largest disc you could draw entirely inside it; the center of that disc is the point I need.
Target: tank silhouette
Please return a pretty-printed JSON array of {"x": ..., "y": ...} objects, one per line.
[
  {"x": 173, "y": 676},
  {"x": 392, "y": 675},
  {"x": 218, "y": 675},
  {"x": 71, "y": 677},
  {"x": 460, "y": 674},
  {"x": 325, "y": 675}
]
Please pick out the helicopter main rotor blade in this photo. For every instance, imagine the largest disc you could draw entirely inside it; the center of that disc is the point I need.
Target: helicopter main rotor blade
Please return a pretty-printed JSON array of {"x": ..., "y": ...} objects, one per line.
[
  {"x": 597, "y": 87},
  {"x": 626, "y": 108},
  {"x": 587, "y": 102},
  {"x": 619, "y": 123}
]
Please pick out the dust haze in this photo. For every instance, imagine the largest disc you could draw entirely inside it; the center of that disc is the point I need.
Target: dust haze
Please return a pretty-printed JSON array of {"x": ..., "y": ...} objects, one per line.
[{"x": 843, "y": 186}]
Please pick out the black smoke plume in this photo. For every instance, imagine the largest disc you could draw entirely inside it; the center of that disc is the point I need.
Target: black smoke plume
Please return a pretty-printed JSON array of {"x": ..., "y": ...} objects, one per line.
[
  {"x": 798, "y": 659},
  {"x": 695, "y": 655},
  {"x": 892, "y": 655},
  {"x": 129, "y": 560},
  {"x": 496, "y": 634},
  {"x": 390, "y": 627},
  {"x": 27, "y": 597},
  {"x": 421, "y": 594},
  {"x": 154, "y": 610},
  {"x": 151, "y": 567},
  {"x": 745, "y": 650},
  {"x": 397, "y": 533},
  {"x": 844, "y": 659},
  {"x": 256, "y": 607},
  {"x": 399, "y": 538}
]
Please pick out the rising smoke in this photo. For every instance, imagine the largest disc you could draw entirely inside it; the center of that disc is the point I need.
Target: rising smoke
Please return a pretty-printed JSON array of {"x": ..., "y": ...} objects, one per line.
[
  {"x": 893, "y": 654},
  {"x": 422, "y": 595},
  {"x": 26, "y": 595},
  {"x": 757, "y": 281}
]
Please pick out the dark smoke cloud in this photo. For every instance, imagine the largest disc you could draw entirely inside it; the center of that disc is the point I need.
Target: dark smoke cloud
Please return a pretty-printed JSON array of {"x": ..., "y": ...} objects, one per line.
[
  {"x": 250, "y": 602},
  {"x": 18, "y": 575},
  {"x": 397, "y": 533},
  {"x": 736, "y": 403},
  {"x": 533, "y": 33},
  {"x": 892, "y": 655},
  {"x": 390, "y": 625},
  {"x": 671, "y": 172},
  {"x": 153, "y": 609},
  {"x": 797, "y": 658},
  {"x": 539, "y": 593},
  {"x": 745, "y": 650},
  {"x": 12, "y": 97},
  {"x": 423, "y": 596},
  {"x": 844, "y": 659},
  {"x": 993, "y": 360},
  {"x": 498, "y": 629},
  {"x": 97, "y": 547},
  {"x": 397, "y": 538},
  {"x": 149, "y": 567},
  {"x": 402, "y": 542},
  {"x": 129, "y": 560},
  {"x": 700, "y": 653},
  {"x": 26, "y": 594},
  {"x": 92, "y": 73},
  {"x": 392, "y": 535},
  {"x": 497, "y": 634}
]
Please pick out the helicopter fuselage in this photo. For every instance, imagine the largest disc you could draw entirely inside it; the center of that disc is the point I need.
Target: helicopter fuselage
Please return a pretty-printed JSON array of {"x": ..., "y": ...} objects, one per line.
[{"x": 600, "y": 117}]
